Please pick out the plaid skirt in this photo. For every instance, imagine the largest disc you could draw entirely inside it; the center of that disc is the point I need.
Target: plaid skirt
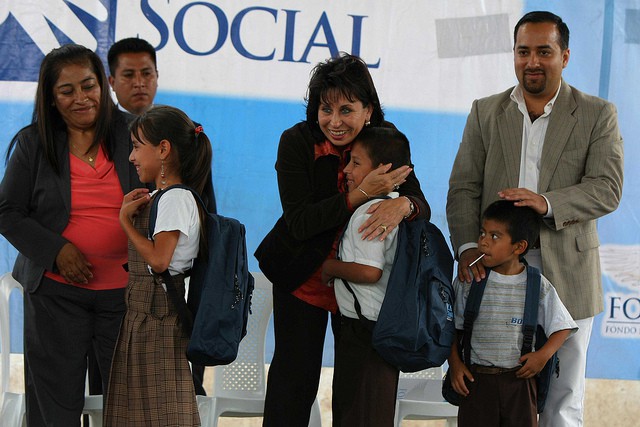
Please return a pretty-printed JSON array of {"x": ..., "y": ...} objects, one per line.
[{"x": 150, "y": 383}]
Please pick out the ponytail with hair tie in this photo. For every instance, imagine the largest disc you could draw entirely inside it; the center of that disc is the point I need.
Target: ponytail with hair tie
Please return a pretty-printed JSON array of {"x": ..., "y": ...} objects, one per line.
[{"x": 198, "y": 129}]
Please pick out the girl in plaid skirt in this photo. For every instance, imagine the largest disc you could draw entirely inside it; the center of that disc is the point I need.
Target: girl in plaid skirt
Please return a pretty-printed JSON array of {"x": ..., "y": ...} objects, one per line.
[{"x": 150, "y": 383}]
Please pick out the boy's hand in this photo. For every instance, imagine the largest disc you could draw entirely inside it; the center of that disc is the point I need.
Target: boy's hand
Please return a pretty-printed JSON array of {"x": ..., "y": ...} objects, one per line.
[
  {"x": 466, "y": 273},
  {"x": 459, "y": 372},
  {"x": 532, "y": 364}
]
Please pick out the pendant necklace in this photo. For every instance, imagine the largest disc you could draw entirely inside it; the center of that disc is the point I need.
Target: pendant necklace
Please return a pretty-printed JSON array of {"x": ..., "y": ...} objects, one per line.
[{"x": 90, "y": 157}]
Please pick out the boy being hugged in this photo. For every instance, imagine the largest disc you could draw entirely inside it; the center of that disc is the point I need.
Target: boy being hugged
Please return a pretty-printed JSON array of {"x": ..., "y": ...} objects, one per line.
[
  {"x": 364, "y": 385},
  {"x": 499, "y": 386}
]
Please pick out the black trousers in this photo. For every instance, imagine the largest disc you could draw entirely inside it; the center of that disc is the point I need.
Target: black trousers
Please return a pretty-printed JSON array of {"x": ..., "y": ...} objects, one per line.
[
  {"x": 364, "y": 384},
  {"x": 61, "y": 325},
  {"x": 294, "y": 374}
]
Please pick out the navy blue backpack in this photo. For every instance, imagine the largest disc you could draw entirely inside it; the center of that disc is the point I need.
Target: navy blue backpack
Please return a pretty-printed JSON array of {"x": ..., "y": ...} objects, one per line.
[
  {"x": 415, "y": 328},
  {"x": 220, "y": 288}
]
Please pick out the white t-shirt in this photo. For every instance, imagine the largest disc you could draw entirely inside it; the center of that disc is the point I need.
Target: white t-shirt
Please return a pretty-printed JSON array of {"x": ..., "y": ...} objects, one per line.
[
  {"x": 497, "y": 335},
  {"x": 178, "y": 211},
  {"x": 374, "y": 253}
]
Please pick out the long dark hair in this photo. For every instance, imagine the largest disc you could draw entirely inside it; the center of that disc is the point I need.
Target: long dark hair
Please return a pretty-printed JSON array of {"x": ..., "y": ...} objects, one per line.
[
  {"x": 47, "y": 119},
  {"x": 347, "y": 75},
  {"x": 192, "y": 145}
]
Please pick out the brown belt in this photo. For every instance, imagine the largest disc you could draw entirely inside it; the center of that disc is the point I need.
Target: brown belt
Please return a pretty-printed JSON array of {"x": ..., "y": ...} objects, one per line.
[{"x": 491, "y": 370}]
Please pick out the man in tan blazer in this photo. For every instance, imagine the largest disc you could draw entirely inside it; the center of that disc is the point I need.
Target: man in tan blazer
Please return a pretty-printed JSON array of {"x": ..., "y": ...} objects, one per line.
[{"x": 545, "y": 145}]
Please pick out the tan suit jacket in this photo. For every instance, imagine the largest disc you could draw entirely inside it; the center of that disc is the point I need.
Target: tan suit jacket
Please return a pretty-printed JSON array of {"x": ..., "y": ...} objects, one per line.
[{"x": 581, "y": 173}]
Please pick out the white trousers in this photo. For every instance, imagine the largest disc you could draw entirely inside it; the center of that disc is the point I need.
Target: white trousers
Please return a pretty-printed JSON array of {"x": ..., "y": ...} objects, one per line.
[{"x": 565, "y": 402}]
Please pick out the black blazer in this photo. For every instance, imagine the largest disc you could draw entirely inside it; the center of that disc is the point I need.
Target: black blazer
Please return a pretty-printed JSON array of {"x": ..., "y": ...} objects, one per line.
[
  {"x": 314, "y": 210},
  {"x": 35, "y": 202}
]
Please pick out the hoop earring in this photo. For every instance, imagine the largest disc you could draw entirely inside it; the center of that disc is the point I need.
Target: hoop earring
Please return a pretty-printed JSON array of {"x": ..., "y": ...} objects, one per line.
[{"x": 163, "y": 181}]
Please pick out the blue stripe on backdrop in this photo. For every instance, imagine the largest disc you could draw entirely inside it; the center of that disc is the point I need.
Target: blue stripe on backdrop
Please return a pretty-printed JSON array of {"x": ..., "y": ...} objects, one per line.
[
  {"x": 245, "y": 135},
  {"x": 607, "y": 50}
]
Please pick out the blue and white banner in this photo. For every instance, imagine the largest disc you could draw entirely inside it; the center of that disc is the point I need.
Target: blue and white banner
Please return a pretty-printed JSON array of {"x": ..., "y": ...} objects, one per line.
[{"x": 241, "y": 68}]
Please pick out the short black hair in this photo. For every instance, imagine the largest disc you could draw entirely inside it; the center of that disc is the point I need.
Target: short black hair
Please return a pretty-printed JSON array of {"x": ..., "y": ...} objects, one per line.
[
  {"x": 128, "y": 45},
  {"x": 385, "y": 145},
  {"x": 346, "y": 75},
  {"x": 544, "y": 16},
  {"x": 523, "y": 223}
]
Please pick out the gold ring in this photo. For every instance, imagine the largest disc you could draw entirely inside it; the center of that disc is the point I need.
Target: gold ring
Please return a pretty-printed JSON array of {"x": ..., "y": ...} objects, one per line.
[{"x": 384, "y": 228}]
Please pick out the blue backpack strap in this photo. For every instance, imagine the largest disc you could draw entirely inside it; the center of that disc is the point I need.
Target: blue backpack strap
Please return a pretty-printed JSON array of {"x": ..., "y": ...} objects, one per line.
[
  {"x": 471, "y": 310},
  {"x": 153, "y": 212},
  {"x": 185, "y": 316},
  {"x": 530, "y": 320}
]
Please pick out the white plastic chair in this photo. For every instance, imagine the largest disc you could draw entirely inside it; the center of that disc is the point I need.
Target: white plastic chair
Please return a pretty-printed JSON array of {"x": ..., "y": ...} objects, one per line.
[
  {"x": 93, "y": 407},
  {"x": 239, "y": 388},
  {"x": 12, "y": 405},
  {"x": 420, "y": 398}
]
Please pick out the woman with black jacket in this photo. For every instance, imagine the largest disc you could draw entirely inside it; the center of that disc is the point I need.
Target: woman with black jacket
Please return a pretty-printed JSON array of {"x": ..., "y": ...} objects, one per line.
[
  {"x": 59, "y": 203},
  {"x": 341, "y": 101}
]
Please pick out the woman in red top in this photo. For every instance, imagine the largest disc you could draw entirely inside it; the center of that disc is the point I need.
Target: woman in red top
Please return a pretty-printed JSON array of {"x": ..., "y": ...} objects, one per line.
[{"x": 59, "y": 204}]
